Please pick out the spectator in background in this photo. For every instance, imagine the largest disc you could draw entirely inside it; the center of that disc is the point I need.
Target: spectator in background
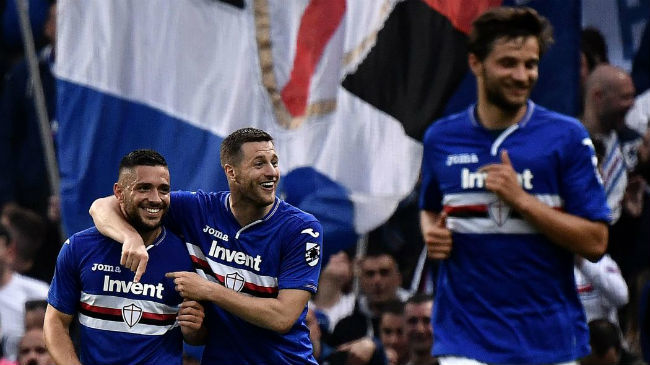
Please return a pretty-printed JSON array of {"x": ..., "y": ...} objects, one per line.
[
  {"x": 334, "y": 297},
  {"x": 392, "y": 333},
  {"x": 15, "y": 291},
  {"x": 32, "y": 350},
  {"x": 419, "y": 330},
  {"x": 606, "y": 347},
  {"x": 593, "y": 52},
  {"x": 28, "y": 231},
  {"x": 601, "y": 287},
  {"x": 379, "y": 283},
  {"x": 35, "y": 313},
  {"x": 609, "y": 95},
  {"x": 509, "y": 195}
]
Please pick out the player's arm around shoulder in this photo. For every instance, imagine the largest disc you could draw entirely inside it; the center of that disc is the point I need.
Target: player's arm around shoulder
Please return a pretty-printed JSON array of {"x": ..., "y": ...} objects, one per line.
[
  {"x": 110, "y": 222},
  {"x": 57, "y": 337}
]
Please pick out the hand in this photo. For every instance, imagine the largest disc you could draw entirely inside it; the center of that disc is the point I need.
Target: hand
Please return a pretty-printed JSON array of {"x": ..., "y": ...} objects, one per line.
[
  {"x": 359, "y": 351},
  {"x": 190, "y": 285},
  {"x": 437, "y": 237},
  {"x": 191, "y": 315},
  {"x": 134, "y": 256},
  {"x": 502, "y": 180}
]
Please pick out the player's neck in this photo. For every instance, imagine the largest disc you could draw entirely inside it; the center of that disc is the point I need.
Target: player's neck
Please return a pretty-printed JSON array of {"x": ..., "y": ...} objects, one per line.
[
  {"x": 5, "y": 275},
  {"x": 245, "y": 211},
  {"x": 494, "y": 117},
  {"x": 150, "y": 236}
]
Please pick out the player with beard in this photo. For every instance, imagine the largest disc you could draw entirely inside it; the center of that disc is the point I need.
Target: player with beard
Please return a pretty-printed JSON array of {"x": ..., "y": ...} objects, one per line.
[
  {"x": 257, "y": 257},
  {"x": 121, "y": 321},
  {"x": 510, "y": 192}
]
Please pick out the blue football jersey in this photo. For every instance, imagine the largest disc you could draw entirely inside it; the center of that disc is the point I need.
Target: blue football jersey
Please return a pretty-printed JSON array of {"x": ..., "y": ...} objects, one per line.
[
  {"x": 280, "y": 251},
  {"x": 121, "y": 322},
  {"x": 507, "y": 294}
]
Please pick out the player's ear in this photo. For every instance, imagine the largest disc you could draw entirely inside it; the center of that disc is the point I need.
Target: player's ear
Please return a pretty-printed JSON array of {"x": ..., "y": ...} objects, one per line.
[
  {"x": 474, "y": 64},
  {"x": 118, "y": 191},
  {"x": 230, "y": 172}
]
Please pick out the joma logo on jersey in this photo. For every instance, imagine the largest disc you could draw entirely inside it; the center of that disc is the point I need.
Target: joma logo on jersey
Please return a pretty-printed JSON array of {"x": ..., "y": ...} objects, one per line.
[
  {"x": 121, "y": 286},
  {"x": 471, "y": 180},
  {"x": 106, "y": 268},
  {"x": 235, "y": 256},
  {"x": 216, "y": 233},
  {"x": 461, "y": 159}
]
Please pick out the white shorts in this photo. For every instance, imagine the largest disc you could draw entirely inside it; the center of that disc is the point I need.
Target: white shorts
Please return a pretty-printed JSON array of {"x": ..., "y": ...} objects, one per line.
[{"x": 455, "y": 360}]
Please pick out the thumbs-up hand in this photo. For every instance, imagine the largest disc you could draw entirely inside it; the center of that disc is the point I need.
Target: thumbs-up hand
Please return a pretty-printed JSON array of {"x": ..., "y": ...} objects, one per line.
[
  {"x": 502, "y": 180},
  {"x": 436, "y": 235}
]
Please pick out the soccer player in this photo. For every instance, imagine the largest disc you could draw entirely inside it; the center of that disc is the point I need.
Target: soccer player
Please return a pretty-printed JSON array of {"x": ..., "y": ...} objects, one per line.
[
  {"x": 510, "y": 193},
  {"x": 122, "y": 321},
  {"x": 257, "y": 257}
]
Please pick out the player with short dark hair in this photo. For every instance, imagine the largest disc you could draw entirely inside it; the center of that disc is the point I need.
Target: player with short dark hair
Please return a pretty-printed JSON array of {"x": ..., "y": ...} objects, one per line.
[
  {"x": 510, "y": 192},
  {"x": 122, "y": 321}
]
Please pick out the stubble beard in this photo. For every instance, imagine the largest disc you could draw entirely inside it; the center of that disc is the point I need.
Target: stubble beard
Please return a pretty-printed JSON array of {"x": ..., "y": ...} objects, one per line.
[
  {"x": 496, "y": 96},
  {"x": 136, "y": 220}
]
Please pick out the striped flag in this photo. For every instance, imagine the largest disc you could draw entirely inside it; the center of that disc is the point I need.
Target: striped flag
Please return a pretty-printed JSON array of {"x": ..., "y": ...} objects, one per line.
[{"x": 346, "y": 88}]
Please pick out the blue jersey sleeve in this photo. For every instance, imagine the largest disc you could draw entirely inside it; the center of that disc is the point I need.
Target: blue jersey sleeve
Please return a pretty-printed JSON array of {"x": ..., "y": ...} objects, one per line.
[
  {"x": 65, "y": 290},
  {"x": 582, "y": 188},
  {"x": 182, "y": 208},
  {"x": 430, "y": 195},
  {"x": 301, "y": 258}
]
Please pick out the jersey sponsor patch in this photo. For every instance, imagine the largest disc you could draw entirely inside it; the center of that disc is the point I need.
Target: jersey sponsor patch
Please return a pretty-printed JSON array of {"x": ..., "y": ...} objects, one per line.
[{"x": 312, "y": 253}]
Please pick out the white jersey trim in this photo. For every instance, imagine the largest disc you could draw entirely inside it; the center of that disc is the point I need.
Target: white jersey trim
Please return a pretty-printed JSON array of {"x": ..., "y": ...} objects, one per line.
[
  {"x": 115, "y": 326},
  {"x": 223, "y": 270}
]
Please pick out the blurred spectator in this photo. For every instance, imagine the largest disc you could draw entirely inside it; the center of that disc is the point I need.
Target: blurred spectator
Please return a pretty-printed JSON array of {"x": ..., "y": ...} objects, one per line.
[
  {"x": 24, "y": 179},
  {"x": 606, "y": 348},
  {"x": 32, "y": 350},
  {"x": 601, "y": 288},
  {"x": 392, "y": 333},
  {"x": 360, "y": 352},
  {"x": 419, "y": 330},
  {"x": 593, "y": 52},
  {"x": 379, "y": 282},
  {"x": 334, "y": 297},
  {"x": 28, "y": 231},
  {"x": 609, "y": 95},
  {"x": 15, "y": 291},
  {"x": 35, "y": 313}
]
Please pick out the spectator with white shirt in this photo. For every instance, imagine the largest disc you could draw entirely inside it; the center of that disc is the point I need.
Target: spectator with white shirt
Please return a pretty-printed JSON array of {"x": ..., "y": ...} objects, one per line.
[{"x": 15, "y": 290}]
